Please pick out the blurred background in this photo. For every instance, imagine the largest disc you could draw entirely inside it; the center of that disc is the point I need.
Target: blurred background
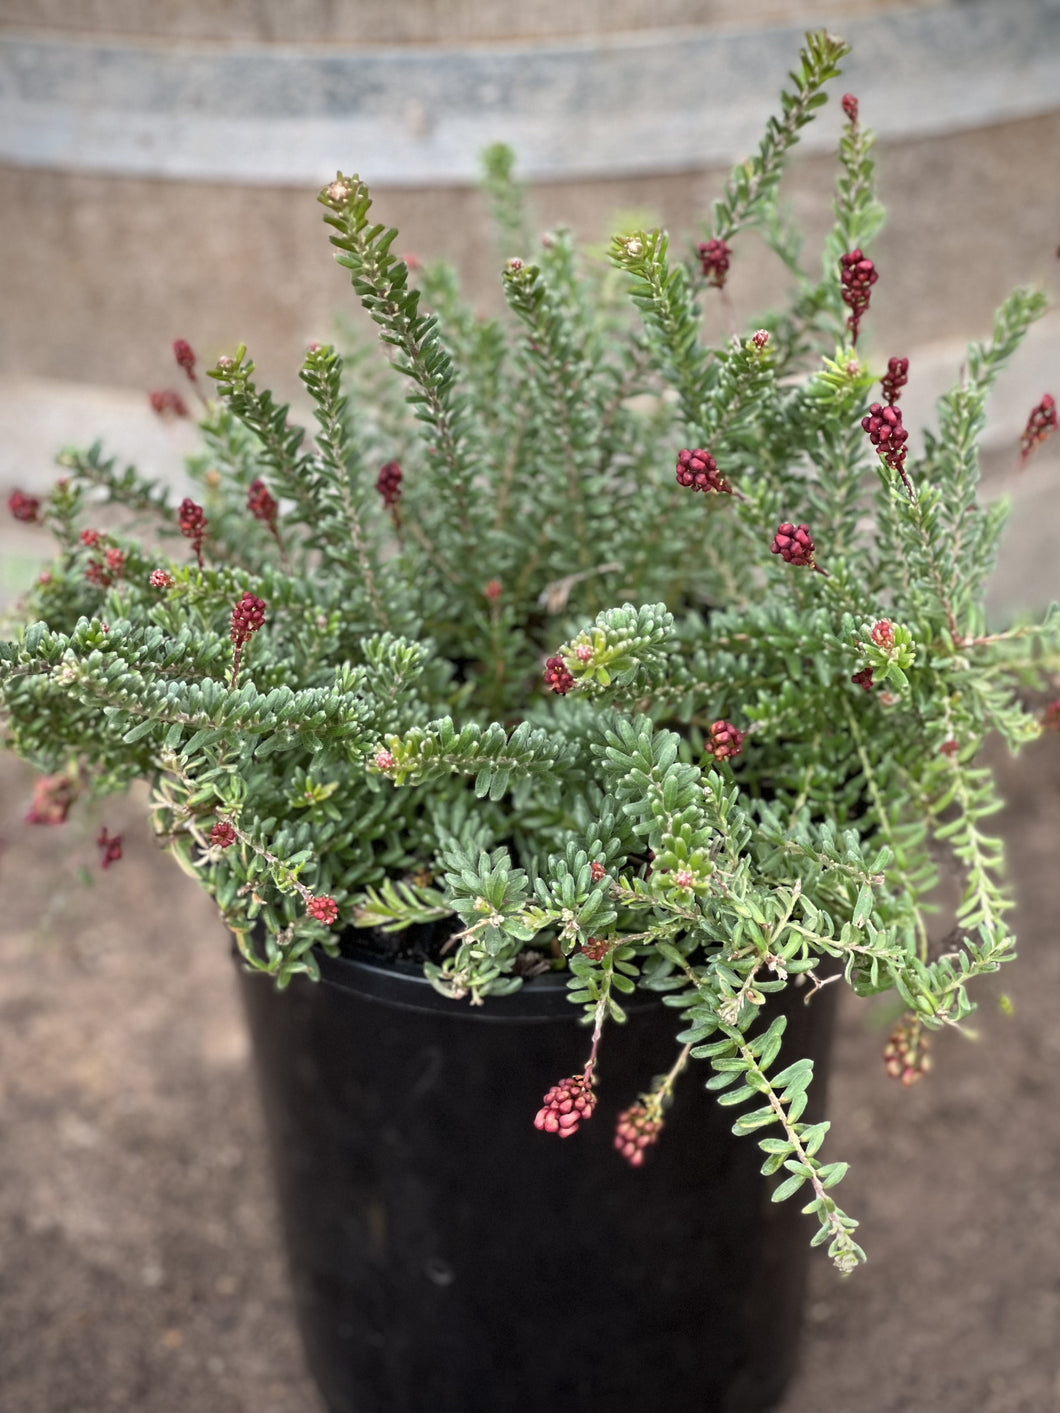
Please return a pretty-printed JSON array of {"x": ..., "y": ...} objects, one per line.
[{"x": 158, "y": 170}]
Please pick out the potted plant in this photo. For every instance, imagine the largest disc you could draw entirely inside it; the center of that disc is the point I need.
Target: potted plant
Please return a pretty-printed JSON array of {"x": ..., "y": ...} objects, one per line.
[{"x": 626, "y": 672}]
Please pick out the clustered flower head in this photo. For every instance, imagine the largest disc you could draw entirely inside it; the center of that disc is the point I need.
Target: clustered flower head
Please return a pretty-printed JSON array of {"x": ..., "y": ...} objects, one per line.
[
  {"x": 558, "y": 675},
  {"x": 905, "y": 1056},
  {"x": 222, "y": 834},
  {"x": 101, "y": 574},
  {"x": 24, "y": 507},
  {"x": 1040, "y": 424},
  {"x": 882, "y": 633},
  {"x": 167, "y": 403},
  {"x": 714, "y": 260},
  {"x": 110, "y": 844},
  {"x": 850, "y": 107},
  {"x": 760, "y": 338},
  {"x": 185, "y": 356},
  {"x": 595, "y": 948},
  {"x": 247, "y": 617},
  {"x": 565, "y": 1105},
  {"x": 384, "y": 759},
  {"x": 161, "y": 579},
  {"x": 887, "y": 435},
  {"x": 1051, "y": 715},
  {"x": 323, "y": 909},
  {"x": 193, "y": 523},
  {"x": 724, "y": 740},
  {"x": 52, "y": 797},
  {"x": 895, "y": 379},
  {"x": 699, "y": 471},
  {"x": 261, "y": 504},
  {"x": 794, "y": 544},
  {"x": 857, "y": 274},
  {"x": 388, "y": 483},
  {"x": 638, "y": 1128},
  {"x": 597, "y": 871},
  {"x": 863, "y": 679}
]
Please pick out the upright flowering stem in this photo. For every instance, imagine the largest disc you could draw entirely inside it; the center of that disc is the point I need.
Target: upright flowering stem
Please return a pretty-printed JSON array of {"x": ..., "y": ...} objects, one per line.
[
  {"x": 857, "y": 275},
  {"x": 247, "y": 617},
  {"x": 193, "y": 523},
  {"x": 262, "y": 505}
]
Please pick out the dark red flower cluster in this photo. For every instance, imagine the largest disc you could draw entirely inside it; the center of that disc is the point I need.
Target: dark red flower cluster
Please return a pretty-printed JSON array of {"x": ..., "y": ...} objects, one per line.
[
  {"x": 565, "y": 1105},
  {"x": 193, "y": 525},
  {"x": 558, "y": 675},
  {"x": 185, "y": 356},
  {"x": 103, "y": 575},
  {"x": 247, "y": 617},
  {"x": 388, "y": 483},
  {"x": 760, "y": 338},
  {"x": 858, "y": 274},
  {"x": 895, "y": 379},
  {"x": 850, "y": 107},
  {"x": 698, "y": 470},
  {"x": 111, "y": 847},
  {"x": 1040, "y": 424},
  {"x": 161, "y": 579},
  {"x": 261, "y": 504},
  {"x": 168, "y": 403},
  {"x": 1051, "y": 715},
  {"x": 724, "y": 740},
  {"x": 636, "y": 1130},
  {"x": 52, "y": 797},
  {"x": 887, "y": 435},
  {"x": 323, "y": 909},
  {"x": 863, "y": 679},
  {"x": 793, "y": 544},
  {"x": 90, "y": 538},
  {"x": 595, "y": 948},
  {"x": 24, "y": 507},
  {"x": 714, "y": 258},
  {"x": 597, "y": 871},
  {"x": 223, "y": 834}
]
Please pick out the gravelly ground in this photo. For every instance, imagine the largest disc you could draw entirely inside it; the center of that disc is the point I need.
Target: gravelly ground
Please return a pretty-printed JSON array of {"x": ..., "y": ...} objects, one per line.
[{"x": 142, "y": 1272}]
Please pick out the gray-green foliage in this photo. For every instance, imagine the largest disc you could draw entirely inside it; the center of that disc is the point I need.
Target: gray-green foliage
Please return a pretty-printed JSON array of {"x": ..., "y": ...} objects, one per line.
[{"x": 389, "y": 741}]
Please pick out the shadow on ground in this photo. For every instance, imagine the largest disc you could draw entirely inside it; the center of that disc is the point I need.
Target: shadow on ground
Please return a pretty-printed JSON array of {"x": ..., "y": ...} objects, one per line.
[{"x": 142, "y": 1269}]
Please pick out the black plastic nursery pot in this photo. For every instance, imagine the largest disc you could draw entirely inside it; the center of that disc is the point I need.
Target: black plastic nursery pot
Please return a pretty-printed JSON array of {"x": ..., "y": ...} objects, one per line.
[{"x": 447, "y": 1257}]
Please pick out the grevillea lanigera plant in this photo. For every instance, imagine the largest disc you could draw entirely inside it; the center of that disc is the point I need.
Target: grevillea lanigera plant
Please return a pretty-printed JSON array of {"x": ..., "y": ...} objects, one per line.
[{"x": 659, "y": 664}]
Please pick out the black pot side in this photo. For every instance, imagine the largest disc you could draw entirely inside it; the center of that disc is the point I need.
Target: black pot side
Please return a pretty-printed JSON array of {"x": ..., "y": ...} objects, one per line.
[{"x": 449, "y": 1258}]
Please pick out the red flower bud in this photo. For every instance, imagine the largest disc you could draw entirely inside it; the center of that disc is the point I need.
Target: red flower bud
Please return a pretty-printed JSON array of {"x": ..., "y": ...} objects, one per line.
[
  {"x": 699, "y": 471},
  {"x": 247, "y": 617},
  {"x": 222, "y": 834},
  {"x": 185, "y": 356},
  {"x": 1040, "y": 425},
  {"x": 565, "y": 1105},
  {"x": 850, "y": 107},
  {"x": 24, "y": 507},
  {"x": 793, "y": 544},
  {"x": 714, "y": 260},
  {"x": 857, "y": 275},
  {"x": 724, "y": 741},
  {"x": 323, "y": 909},
  {"x": 558, "y": 676}
]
